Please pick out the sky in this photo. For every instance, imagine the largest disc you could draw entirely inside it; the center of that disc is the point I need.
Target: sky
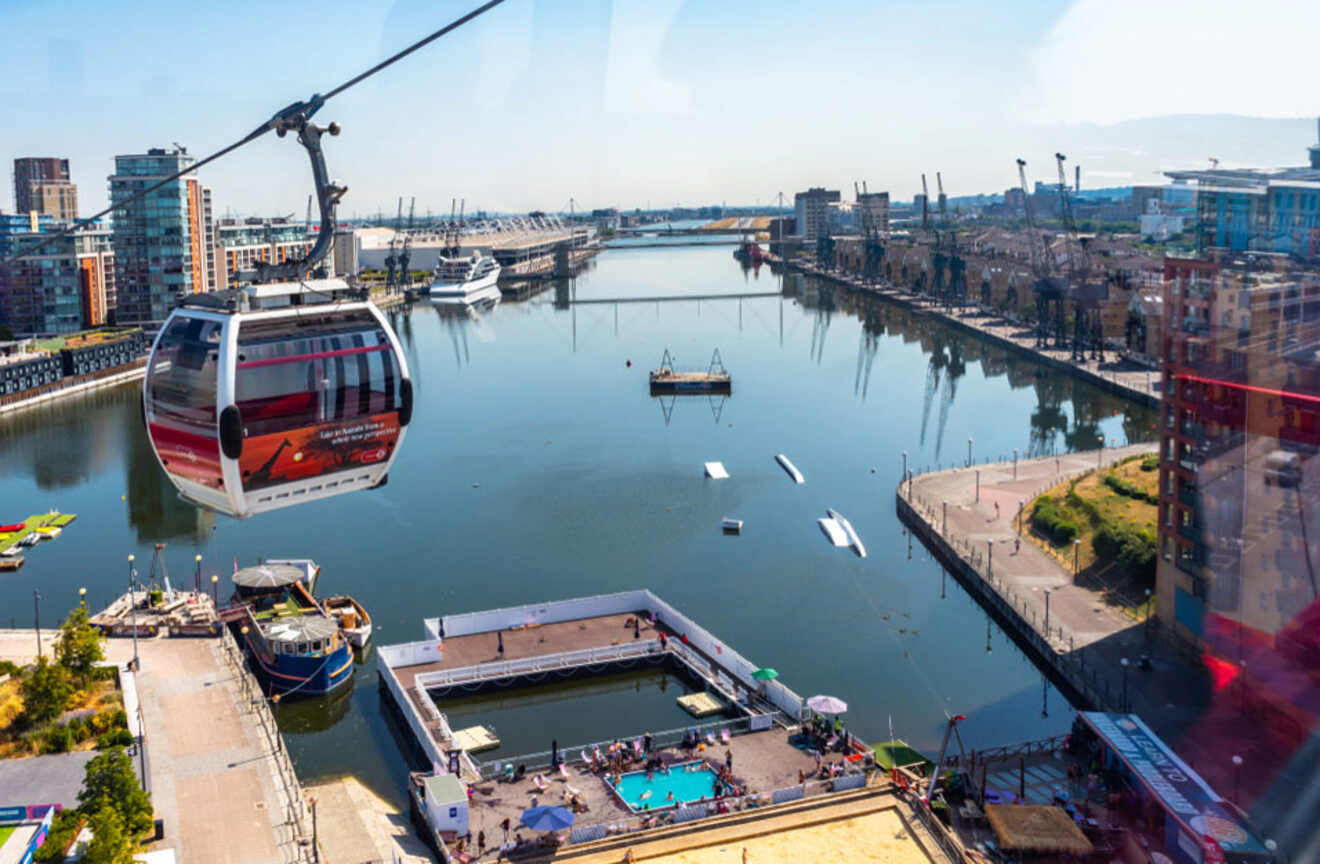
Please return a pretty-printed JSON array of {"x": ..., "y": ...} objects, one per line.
[{"x": 632, "y": 103}]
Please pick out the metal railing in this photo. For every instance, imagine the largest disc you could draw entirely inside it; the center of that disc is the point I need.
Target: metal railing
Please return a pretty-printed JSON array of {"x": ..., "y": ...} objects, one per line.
[
  {"x": 297, "y": 849},
  {"x": 535, "y": 665}
]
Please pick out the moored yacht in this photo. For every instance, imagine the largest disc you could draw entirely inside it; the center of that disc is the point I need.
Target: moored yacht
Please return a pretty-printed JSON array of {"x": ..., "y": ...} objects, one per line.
[{"x": 460, "y": 278}]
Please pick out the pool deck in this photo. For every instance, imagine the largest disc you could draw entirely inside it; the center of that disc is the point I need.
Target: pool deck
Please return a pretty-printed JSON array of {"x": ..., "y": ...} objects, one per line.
[{"x": 764, "y": 761}]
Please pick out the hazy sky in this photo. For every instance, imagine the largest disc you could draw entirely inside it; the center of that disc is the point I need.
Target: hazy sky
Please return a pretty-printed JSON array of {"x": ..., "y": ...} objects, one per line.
[{"x": 625, "y": 102}]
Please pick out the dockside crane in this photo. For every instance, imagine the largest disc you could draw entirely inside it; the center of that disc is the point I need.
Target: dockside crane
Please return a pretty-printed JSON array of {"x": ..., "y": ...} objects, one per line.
[
  {"x": 1047, "y": 287},
  {"x": 943, "y": 199},
  {"x": 412, "y": 209},
  {"x": 925, "y": 204},
  {"x": 1084, "y": 289},
  {"x": 398, "y": 219}
]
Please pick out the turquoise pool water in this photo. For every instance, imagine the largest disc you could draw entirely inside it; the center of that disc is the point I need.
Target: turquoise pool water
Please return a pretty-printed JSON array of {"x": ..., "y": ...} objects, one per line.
[{"x": 687, "y": 786}]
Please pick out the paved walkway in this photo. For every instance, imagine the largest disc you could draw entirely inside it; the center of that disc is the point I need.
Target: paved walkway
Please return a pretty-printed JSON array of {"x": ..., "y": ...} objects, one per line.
[
  {"x": 1139, "y": 381},
  {"x": 1089, "y": 633},
  {"x": 356, "y": 825}
]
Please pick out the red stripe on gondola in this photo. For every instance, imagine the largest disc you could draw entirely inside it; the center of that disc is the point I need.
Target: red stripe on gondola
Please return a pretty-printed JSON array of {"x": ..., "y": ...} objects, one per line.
[
  {"x": 319, "y": 355},
  {"x": 1251, "y": 388}
]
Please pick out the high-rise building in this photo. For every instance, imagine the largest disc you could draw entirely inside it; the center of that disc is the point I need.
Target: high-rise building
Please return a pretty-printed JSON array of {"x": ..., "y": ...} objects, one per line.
[
  {"x": 1239, "y": 473},
  {"x": 811, "y": 209},
  {"x": 164, "y": 243},
  {"x": 65, "y": 285},
  {"x": 873, "y": 215},
  {"x": 240, "y": 244},
  {"x": 42, "y": 184},
  {"x": 1258, "y": 210}
]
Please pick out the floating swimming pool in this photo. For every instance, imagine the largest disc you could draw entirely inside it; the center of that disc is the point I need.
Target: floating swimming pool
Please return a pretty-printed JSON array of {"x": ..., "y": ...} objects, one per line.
[{"x": 687, "y": 786}]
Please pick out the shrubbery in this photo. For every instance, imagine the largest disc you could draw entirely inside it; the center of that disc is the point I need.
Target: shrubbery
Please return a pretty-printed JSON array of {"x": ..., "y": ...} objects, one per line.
[
  {"x": 1131, "y": 490},
  {"x": 1151, "y": 462},
  {"x": 1134, "y": 549},
  {"x": 1050, "y": 520}
]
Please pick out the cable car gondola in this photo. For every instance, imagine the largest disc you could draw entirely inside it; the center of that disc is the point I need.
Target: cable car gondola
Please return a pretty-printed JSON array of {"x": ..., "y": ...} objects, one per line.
[{"x": 286, "y": 390}]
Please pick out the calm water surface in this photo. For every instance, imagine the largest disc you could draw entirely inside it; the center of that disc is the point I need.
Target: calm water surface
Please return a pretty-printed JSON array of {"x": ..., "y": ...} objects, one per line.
[{"x": 538, "y": 467}]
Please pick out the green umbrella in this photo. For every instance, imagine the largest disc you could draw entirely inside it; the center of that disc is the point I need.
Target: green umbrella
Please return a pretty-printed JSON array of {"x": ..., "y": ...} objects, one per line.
[{"x": 766, "y": 674}]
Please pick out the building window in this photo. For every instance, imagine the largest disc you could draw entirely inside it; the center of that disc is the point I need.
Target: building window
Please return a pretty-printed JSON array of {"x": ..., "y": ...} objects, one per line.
[{"x": 1168, "y": 548}]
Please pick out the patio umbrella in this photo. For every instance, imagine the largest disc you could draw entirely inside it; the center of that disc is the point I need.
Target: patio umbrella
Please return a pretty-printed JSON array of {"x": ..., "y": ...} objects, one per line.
[
  {"x": 766, "y": 674},
  {"x": 546, "y": 818},
  {"x": 827, "y": 705}
]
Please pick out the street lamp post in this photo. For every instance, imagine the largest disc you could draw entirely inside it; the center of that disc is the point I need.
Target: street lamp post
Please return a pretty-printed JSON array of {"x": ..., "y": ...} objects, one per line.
[
  {"x": 969, "y": 451},
  {"x": 987, "y": 633},
  {"x": 132, "y": 607},
  {"x": 1021, "y": 504},
  {"x": 978, "y": 484},
  {"x": 1077, "y": 552},
  {"x": 990, "y": 556},
  {"x": 1015, "y": 454},
  {"x": 1047, "y": 614},
  {"x": 1124, "y": 662},
  {"x": 1146, "y": 624},
  {"x": 945, "y": 529},
  {"x": 215, "y": 592},
  {"x": 36, "y": 609},
  {"x": 904, "y": 465},
  {"x": 197, "y": 576},
  {"x": 82, "y": 597}
]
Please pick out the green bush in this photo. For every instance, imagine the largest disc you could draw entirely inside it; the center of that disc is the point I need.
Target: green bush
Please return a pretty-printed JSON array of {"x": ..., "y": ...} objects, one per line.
[
  {"x": 63, "y": 829},
  {"x": 8, "y": 668},
  {"x": 59, "y": 739},
  {"x": 115, "y": 738},
  {"x": 1050, "y": 521},
  {"x": 1131, "y": 490},
  {"x": 1133, "y": 548},
  {"x": 1151, "y": 463}
]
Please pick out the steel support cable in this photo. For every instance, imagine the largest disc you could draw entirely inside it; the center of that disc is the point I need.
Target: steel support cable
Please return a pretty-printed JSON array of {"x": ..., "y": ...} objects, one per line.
[{"x": 309, "y": 107}]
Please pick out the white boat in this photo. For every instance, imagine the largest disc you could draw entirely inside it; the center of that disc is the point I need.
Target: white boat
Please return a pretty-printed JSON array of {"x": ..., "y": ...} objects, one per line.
[
  {"x": 853, "y": 539},
  {"x": 832, "y": 531},
  {"x": 354, "y": 622},
  {"x": 30, "y": 540},
  {"x": 11, "y": 551},
  {"x": 790, "y": 468},
  {"x": 732, "y": 526},
  {"x": 465, "y": 279}
]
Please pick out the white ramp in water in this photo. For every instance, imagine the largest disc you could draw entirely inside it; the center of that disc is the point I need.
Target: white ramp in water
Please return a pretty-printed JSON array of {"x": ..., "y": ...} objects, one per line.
[
  {"x": 715, "y": 471},
  {"x": 849, "y": 531},
  {"x": 832, "y": 531},
  {"x": 789, "y": 468}
]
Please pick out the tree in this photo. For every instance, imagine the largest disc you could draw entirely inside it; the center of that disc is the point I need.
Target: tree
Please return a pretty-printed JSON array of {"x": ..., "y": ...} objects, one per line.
[
  {"x": 45, "y": 692},
  {"x": 110, "y": 843},
  {"x": 110, "y": 781},
  {"x": 78, "y": 647}
]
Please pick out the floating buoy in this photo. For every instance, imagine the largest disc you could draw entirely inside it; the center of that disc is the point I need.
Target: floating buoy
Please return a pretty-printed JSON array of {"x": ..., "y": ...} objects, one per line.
[{"x": 628, "y": 363}]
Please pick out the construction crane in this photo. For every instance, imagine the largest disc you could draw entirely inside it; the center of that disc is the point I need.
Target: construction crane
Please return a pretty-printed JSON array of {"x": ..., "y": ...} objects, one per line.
[
  {"x": 412, "y": 207},
  {"x": 925, "y": 204},
  {"x": 1049, "y": 292},
  {"x": 943, "y": 199},
  {"x": 398, "y": 219}
]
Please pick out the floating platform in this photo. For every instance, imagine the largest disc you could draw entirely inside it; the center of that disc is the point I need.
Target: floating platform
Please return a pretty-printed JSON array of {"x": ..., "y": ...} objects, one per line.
[
  {"x": 33, "y": 529},
  {"x": 668, "y": 380},
  {"x": 833, "y": 531},
  {"x": 700, "y": 704},
  {"x": 475, "y": 739},
  {"x": 715, "y": 471},
  {"x": 731, "y": 525},
  {"x": 789, "y": 468}
]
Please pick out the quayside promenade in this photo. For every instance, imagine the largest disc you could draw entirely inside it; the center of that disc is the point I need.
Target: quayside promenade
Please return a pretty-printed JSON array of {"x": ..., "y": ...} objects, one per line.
[{"x": 1116, "y": 374}]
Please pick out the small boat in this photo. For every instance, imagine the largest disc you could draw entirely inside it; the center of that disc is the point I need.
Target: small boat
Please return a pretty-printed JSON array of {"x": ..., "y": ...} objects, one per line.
[
  {"x": 50, "y": 532},
  {"x": 849, "y": 531},
  {"x": 790, "y": 468},
  {"x": 832, "y": 531},
  {"x": 731, "y": 526},
  {"x": 354, "y": 622},
  {"x": 11, "y": 551},
  {"x": 30, "y": 540}
]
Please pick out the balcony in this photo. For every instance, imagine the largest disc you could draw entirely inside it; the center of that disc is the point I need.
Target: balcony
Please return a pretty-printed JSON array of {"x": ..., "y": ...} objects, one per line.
[
  {"x": 1190, "y": 532},
  {"x": 1190, "y": 462},
  {"x": 1188, "y": 495}
]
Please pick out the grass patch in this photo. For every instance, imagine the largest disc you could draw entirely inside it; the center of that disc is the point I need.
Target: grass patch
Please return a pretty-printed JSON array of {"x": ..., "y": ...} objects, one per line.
[
  {"x": 1113, "y": 513},
  {"x": 5, "y": 831}
]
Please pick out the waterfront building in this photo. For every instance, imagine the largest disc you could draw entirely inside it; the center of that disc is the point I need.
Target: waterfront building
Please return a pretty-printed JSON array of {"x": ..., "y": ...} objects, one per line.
[
  {"x": 42, "y": 184},
  {"x": 1239, "y": 436},
  {"x": 811, "y": 212},
  {"x": 164, "y": 243},
  {"x": 66, "y": 285},
  {"x": 1258, "y": 209},
  {"x": 241, "y": 243},
  {"x": 873, "y": 212}
]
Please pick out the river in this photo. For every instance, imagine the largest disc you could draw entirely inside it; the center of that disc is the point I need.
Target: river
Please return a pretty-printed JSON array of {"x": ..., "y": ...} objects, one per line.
[{"x": 538, "y": 467}]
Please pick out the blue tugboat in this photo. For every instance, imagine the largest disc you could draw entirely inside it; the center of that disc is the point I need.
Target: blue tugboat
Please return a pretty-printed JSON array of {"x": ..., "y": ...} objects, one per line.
[{"x": 296, "y": 647}]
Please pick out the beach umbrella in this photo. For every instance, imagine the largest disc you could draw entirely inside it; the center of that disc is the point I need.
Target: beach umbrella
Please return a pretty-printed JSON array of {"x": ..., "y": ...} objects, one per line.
[
  {"x": 827, "y": 705},
  {"x": 766, "y": 674},
  {"x": 546, "y": 818}
]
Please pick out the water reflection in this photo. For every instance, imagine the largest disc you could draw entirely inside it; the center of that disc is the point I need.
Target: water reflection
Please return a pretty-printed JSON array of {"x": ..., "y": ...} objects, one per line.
[
  {"x": 155, "y": 510},
  {"x": 66, "y": 443}
]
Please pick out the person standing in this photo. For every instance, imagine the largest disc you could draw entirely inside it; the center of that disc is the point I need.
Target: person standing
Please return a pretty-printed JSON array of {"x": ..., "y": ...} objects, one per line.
[
  {"x": 481, "y": 842},
  {"x": 505, "y": 826}
]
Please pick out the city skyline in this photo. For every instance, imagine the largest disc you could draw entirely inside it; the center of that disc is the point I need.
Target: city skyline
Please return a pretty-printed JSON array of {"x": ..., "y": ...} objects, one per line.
[{"x": 620, "y": 103}]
